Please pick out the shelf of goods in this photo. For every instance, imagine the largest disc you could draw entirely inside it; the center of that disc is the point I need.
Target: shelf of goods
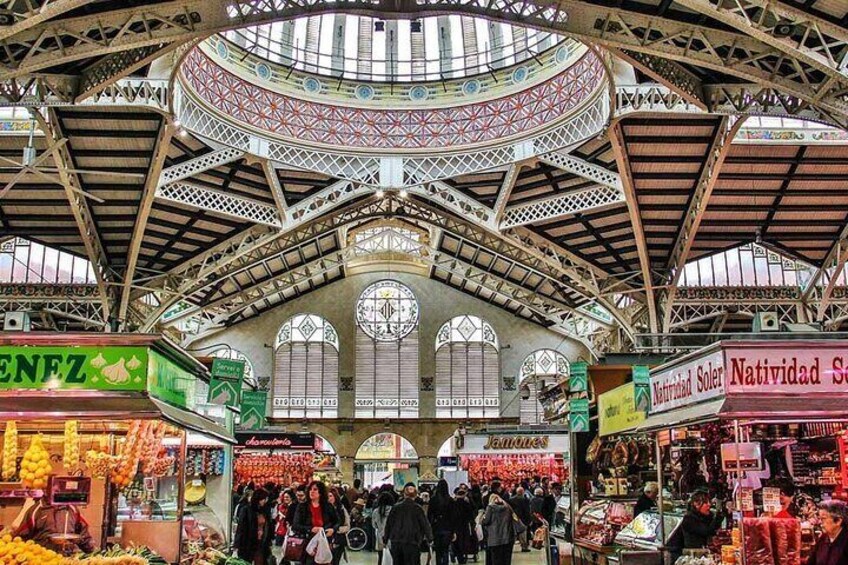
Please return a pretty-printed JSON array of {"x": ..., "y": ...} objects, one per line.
[
  {"x": 15, "y": 551},
  {"x": 277, "y": 468},
  {"x": 511, "y": 469},
  {"x": 205, "y": 460}
]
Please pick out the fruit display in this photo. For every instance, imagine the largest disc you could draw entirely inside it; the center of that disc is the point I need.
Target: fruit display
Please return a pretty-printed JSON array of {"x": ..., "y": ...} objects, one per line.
[
  {"x": 100, "y": 464},
  {"x": 35, "y": 467},
  {"x": 164, "y": 464},
  {"x": 72, "y": 445},
  {"x": 10, "y": 451},
  {"x": 282, "y": 468},
  {"x": 15, "y": 551},
  {"x": 205, "y": 461},
  {"x": 116, "y": 555},
  {"x": 153, "y": 434}
]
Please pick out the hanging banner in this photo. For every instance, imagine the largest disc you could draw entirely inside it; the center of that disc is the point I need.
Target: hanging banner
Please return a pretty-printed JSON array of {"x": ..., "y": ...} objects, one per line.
[
  {"x": 578, "y": 415},
  {"x": 253, "y": 405},
  {"x": 103, "y": 368},
  {"x": 170, "y": 382},
  {"x": 617, "y": 410},
  {"x": 642, "y": 380},
  {"x": 225, "y": 386},
  {"x": 578, "y": 380}
]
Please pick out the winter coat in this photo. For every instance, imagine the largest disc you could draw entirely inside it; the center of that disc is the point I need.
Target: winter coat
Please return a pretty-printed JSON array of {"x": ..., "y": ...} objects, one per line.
[
  {"x": 521, "y": 507},
  {"x": 407, "y": 524},
  {"x": 378, "y": 522},
  {"x": 249, "y": 541},
  {"x": 826, "y": 552},
  {"x": 697, "y": 529},
  {"x": 302, "y": 524},
  {"x": 440, "y": 516},
  {"x": 497, "y": 521}
]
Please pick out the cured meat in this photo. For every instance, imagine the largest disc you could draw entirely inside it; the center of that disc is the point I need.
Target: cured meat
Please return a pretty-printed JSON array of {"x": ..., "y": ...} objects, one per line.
[
  {"x": 644, "y": 458},
  {"x": 758, "y": 546},
  {"x": 594, "y": 450},
  {"x": 786, "y": 541},
  {"x": 632, "y": 452},
  {"x": 620, "y": 454}
]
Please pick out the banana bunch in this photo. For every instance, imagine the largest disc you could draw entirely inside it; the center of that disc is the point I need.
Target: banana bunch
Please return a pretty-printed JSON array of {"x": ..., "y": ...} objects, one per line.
[
  {"x": 10, "y": 451},
  {"x": 72, "y": 445},
  {"x": 35, "y": 467}
]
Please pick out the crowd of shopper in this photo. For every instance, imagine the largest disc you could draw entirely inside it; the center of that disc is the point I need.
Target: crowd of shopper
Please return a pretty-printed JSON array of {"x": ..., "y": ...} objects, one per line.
[{"x": 454, "y": 526}]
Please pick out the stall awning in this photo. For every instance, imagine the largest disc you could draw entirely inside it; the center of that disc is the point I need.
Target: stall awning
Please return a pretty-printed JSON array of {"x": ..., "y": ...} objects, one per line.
[
  {"x": 89, "y": 406},
  {"x": 682, "y": 416},
  {"x": 785, "y": 408},
  {"x": 762, "y": 408},
  {"x": 194, "y": 422}
]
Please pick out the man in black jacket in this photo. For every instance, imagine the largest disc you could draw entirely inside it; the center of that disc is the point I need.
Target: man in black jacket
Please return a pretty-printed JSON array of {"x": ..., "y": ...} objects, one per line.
[
  {"x": 406, "y": 528},
  {"x": 521, "y": 506}
]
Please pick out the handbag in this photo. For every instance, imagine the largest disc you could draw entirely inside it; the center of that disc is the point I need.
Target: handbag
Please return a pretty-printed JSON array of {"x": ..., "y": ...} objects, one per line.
[
  {"x": 293, "y": 548},
  {"x": 518, "y": 527}
]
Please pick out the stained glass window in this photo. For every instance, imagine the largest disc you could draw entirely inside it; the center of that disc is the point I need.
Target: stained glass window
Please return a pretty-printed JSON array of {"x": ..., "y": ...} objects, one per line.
[
  {"x": 387, "y": 381},
  {"x": 306, "y": 369},
  {"x": 387, "y": 311},
  {"x": 467, "y": 369},
  {"x": 540, "y": 370}
]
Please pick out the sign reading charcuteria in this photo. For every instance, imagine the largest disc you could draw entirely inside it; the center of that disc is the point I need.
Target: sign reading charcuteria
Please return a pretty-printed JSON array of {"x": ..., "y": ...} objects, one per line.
[{"x": 752, "y": 368}]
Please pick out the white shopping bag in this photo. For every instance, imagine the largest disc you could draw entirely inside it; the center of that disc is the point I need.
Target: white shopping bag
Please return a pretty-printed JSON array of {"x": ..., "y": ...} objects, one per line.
[
  {"x": 387, "y": 556},
  {"x": 319, "y": 549}
]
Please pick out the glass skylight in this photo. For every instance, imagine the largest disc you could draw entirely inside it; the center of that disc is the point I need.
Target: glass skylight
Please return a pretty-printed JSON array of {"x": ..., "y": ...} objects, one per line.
[{"x": 364, "y": 48}]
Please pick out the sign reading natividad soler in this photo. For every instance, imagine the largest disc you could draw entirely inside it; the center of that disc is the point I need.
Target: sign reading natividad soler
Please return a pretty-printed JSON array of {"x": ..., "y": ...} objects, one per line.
[{"x": 756, "y": 368}]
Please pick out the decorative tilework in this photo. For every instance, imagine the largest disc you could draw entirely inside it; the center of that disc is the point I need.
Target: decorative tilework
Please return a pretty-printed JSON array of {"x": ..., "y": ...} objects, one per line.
[
  {"x": 307, "y": 121},
  {"x": 365, "y": 92},
  {"x": 520, "y": 74},
  {"x": 471, "y": 87},
  {"x": 311, "y": 84},
  {"x": 263, "y": 71}
]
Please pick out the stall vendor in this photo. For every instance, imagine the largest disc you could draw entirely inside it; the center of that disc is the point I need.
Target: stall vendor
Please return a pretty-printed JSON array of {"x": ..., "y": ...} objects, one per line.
[
  {"x": 44, "y": 523},
  {"x": 787, "y": 504},
  {"x": 698, "y": 525},
  {"x": 648, "y": 500}
]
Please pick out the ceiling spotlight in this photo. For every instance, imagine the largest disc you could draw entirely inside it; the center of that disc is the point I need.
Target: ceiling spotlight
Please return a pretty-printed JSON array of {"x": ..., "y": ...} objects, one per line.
[
  {"x": 183, "y": 133},
  {"x": 380, "y": 194},
  {"x": 177, "y": 123},
  {"x": 403, "y": 194}
]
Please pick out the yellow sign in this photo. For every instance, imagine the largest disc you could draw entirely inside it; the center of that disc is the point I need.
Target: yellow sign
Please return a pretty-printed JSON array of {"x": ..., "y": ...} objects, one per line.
[{"x": 617, "y": 410}]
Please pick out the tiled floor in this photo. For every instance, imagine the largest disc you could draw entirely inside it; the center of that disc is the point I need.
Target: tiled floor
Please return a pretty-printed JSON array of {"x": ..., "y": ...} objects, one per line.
[{"x": 518, "y": 558}]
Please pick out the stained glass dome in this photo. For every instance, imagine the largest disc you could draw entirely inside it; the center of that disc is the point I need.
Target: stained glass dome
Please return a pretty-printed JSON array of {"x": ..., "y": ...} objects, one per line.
[{"x": 366, "y": 49}]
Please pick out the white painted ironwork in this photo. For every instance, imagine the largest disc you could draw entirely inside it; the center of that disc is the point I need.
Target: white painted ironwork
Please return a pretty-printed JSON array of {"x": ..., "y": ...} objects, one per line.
[
  {"x": 452, "y": 199},
  {"x": 417, "y": 170},
  {"x": 505, "y": 192},
  {"x": 200, "y": 164},
  {"x": 325, "y": 200},
  {"x": 220, "y": 202},
  {"x": 561, "y": 205},
  {"x": 582, "y": 168}
]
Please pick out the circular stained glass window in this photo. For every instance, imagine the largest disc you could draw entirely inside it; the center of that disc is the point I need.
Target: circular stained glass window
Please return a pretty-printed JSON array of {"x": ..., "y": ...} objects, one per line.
[{"x": 387, "y": 311}]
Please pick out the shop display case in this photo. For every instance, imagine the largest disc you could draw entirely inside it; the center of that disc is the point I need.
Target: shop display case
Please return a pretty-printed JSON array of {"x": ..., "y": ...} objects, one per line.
[
  {"x": 561, "y": 527},
  {"x": 202, "y": 530},
  {"x": 599, "y": 521},
  {"x": 644, "y": 531}
]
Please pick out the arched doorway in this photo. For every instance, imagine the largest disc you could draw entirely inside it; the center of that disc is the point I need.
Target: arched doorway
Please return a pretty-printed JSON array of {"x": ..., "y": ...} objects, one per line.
[
  {"x": 326, "y": 460},
  {"x": 386, "y": 458}
]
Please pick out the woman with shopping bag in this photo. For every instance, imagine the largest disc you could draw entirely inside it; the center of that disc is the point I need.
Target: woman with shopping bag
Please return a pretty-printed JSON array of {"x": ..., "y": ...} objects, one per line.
[{"x": 316, "y": 518}]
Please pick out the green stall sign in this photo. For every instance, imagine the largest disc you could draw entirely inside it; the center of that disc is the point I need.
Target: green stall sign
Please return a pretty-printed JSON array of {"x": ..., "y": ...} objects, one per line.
[
  {"x": 225, "y": 387},
  {"x": 73, "y": 368},
  {"x": 171, "y": 383},
  {"x": 253, "y": 405}
]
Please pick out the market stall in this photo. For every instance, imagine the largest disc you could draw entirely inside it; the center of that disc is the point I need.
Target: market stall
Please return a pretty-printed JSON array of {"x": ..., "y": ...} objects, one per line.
[
  {"x": 274, "y": 457},
  {"x": 95, "y": 427},
  {"x": 514, "y": 456},
  {"x": 751, "y": 422},
  {"x": 621, "y": 467}
]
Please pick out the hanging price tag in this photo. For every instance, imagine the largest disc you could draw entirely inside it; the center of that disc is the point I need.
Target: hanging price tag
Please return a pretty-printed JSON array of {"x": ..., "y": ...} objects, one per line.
[
  {"x": 746, "y": 499},
  {"x": 771, "y": 499}
]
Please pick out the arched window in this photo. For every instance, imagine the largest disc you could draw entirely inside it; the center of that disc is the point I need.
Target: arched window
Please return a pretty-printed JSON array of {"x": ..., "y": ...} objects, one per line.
[
  {"x": 540, "y": 369},
  {"x": 306, "y": 369},
  {"x": 467, "y": 369},
  {"x": 387, "y": 352}
]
